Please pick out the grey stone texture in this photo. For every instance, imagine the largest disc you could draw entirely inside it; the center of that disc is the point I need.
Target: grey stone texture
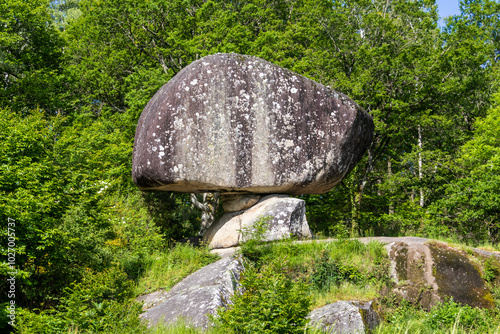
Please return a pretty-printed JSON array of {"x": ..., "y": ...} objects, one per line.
[
  {"x": 287, "y": 218},
  {"x": 427, "y": 273},
  {"x": 233, "y": 203},
  {"x": 196, "y": 296},
  {"x": 238, "y": 124},
  {"x": 346, "y": 317}
]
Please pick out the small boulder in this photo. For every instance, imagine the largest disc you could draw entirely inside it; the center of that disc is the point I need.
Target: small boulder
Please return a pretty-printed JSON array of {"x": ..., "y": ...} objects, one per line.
[
  {"x": 233, "y": 203},
  {"x": 196, "y": 296},
  {"x": 286, "y": 218},
  {"x": 349, "y": 317}
]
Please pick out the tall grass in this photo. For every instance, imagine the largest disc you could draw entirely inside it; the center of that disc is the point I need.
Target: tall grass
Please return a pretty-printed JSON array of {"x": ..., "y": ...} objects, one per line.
[
  {"x": 418, "y": 324},
  {"x": 445, "y": 318},
  {"x": 339, "y": 270},
  {"x": 344, "y": 291},
  {"x": 164, "y": 270}
]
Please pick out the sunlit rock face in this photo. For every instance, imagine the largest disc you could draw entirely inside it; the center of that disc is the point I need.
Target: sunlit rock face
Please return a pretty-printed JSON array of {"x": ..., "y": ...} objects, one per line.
[{"x": 239, "y": 124}]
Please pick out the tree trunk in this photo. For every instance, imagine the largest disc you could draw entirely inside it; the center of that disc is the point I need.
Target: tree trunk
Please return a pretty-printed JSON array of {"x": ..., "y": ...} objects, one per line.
[
  {"x": 208, "y": 207},
  {"x": 420, "y": 166},
  {"x": 389, "y": 172},
  {"x": 357, "y": 196}
]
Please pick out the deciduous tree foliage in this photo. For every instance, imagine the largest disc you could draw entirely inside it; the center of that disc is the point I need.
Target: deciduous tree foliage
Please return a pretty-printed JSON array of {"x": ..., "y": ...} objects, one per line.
[
  {"x": 30, "y": 56},
  {"x": 471, "y": 204}
]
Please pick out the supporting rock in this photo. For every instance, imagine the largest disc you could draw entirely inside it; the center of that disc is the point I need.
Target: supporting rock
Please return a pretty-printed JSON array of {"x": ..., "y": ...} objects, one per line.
[
  {"x": 233, "y": 203},
  {"x": 287, "y": 219}
]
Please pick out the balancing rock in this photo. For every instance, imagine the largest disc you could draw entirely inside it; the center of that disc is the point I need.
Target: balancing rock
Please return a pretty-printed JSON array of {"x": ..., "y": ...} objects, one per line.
[
  {"x": 284, "y": 216},
  {"x": 238, "y": 124}
]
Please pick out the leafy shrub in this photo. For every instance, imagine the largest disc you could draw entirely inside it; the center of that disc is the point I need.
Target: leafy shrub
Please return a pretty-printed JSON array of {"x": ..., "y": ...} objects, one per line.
[
  {"x": 490, "y": 270},
  {"x": 254, "y": 237},
  {"x": 268, "y": 302},
  {"x": 36, "y": 322},
  {"x": 100, "y": 303}
]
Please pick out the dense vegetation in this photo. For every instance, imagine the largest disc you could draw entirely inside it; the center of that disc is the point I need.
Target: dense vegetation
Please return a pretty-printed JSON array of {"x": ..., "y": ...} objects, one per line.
[{"x": 77, "y": 74}]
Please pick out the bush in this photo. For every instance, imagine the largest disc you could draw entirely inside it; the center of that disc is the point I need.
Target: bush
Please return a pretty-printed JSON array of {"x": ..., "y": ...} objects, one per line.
[
  {"x": 268, "y": 302},
  {"x": 101, "y": 303}
]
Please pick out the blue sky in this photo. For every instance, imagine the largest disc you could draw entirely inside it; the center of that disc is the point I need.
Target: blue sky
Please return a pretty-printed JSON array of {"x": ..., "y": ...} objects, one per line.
[{"x": 447, "y": 8}]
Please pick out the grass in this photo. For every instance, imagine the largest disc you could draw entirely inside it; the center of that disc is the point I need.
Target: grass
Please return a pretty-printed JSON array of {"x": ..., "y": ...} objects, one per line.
[
  {"x": 338, "y": 270},
  {"x": 467, "y": 246},
  {"x": 489, "y": 247},
  {"x": 179, "y": 327},
  {"x": 361, "y": 271},
  {"x": 164, "y": 270},
  {"x": 343, "y": 269},
  {"x": 344, "y": 291},
  {"x": 182, "y": 327},
  {"x": 418, "y": 326},
  {"x": 367, "y": 271},
  {"x": 459, "y": 320}
]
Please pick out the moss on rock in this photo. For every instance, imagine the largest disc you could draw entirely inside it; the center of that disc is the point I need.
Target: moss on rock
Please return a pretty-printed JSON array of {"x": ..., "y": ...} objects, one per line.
[{"x": 457, "y": 277}]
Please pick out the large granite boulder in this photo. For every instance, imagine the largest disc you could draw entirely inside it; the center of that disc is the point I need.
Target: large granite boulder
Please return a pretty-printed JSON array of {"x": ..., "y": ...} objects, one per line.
[
  {"x": 346, "y": 317},
  {"x": 196, "y": 296},
  {"x": 427, "y": 272},
  {"x": 286, "y": 217},
  {"x": 238, "y": 124},
  {"x": 431, "y": 272}
]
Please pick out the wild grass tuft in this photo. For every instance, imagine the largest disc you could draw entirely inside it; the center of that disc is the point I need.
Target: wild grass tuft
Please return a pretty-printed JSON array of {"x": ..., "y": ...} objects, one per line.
[{"x": 164, "y": 270}]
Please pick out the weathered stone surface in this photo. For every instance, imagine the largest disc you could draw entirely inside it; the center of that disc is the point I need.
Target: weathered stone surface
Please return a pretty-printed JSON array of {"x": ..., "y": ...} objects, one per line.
[
  {"x": 346, "y": 317},
  {"x": 233, "y": 203},
  {"x": 287, "y": 218},
  {"x": 198, "y": 295},
  {"x": 152, "y": 299},
  {"x": 427, "y": 273},
  {"x": 233, "y": 123}
]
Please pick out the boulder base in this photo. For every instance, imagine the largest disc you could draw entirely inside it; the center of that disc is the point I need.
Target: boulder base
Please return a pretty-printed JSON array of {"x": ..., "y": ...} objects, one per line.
[
  {"x": 233, "y": 203},
  {"x": 286, "y": 218}
]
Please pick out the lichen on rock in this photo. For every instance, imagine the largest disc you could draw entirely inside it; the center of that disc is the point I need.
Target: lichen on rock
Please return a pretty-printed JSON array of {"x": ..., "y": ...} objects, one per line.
[
  {"x": 238, "y": 124},
  {"x": 458, "y": 277},
  {"x": 432, "y": 272}
]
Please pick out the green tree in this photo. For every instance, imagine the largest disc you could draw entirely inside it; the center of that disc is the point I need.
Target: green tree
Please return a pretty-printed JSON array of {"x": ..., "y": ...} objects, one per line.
[
  {"x": 383, "y": 54},
  {"x": 471, "y": 202},
  {"x": 465, "y": 70},
  {"x": 43, "y": 196},
  {"x": 267, "y": 302},
  {"x": 30, "y": 57}
]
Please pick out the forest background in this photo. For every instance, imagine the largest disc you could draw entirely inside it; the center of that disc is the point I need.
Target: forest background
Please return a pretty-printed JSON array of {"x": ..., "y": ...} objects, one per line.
[{"x": 77, "y": 74}]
